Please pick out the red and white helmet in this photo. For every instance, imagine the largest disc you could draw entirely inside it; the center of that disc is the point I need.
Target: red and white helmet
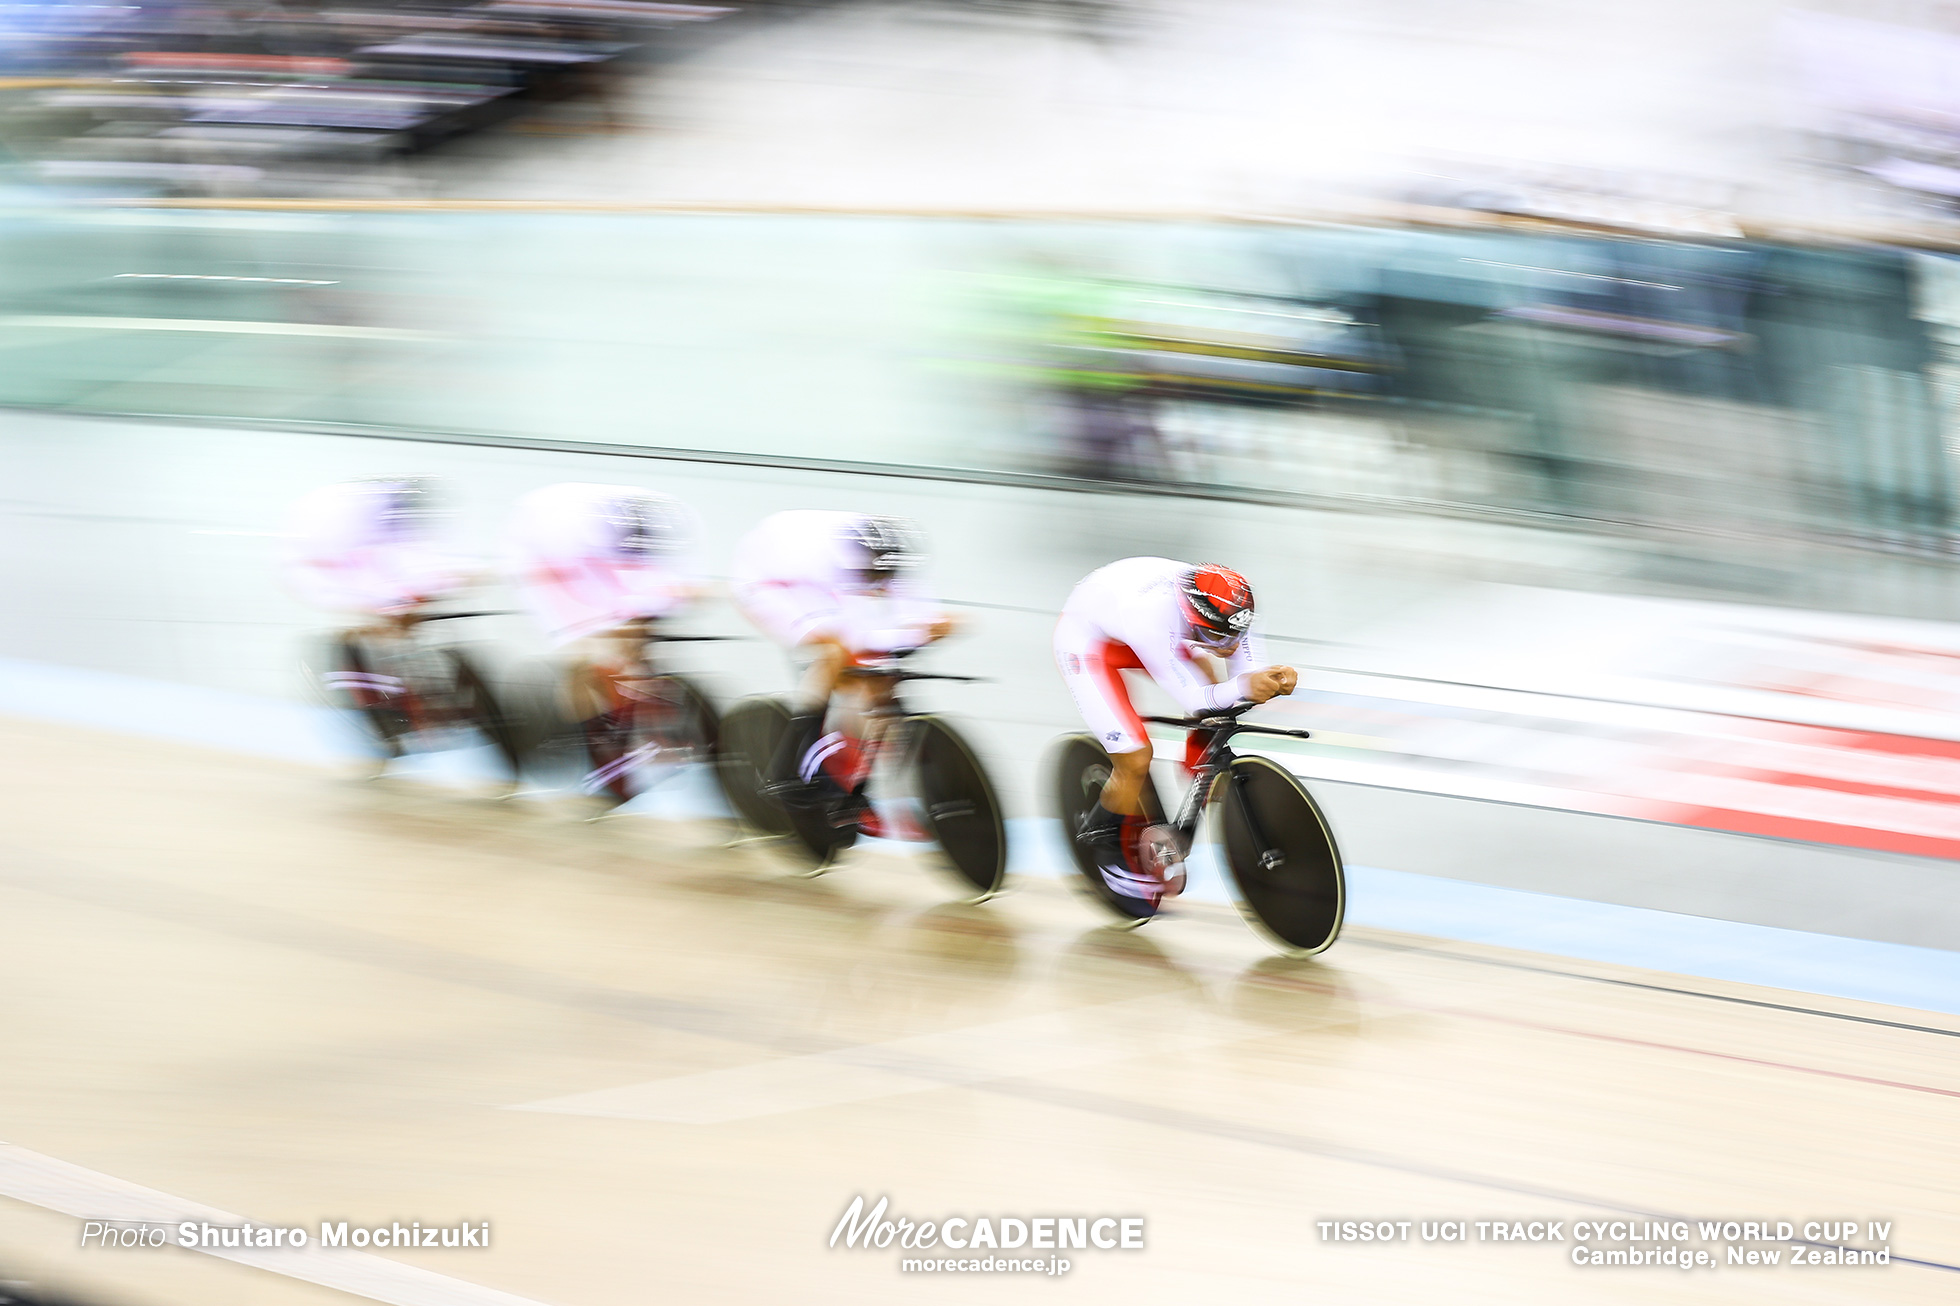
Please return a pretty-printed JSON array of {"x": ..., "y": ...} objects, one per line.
[{"x": 1217, "y": 605}]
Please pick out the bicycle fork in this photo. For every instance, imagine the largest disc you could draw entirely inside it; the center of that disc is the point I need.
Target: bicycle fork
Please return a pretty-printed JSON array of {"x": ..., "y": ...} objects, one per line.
[
  {"x": 1270, "y": 858},
  {"x": 1218, "y": 762}
]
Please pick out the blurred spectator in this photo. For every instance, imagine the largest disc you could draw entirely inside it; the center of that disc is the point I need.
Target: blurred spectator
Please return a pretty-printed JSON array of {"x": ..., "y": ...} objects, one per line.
[{"x": 253, "y": 95}]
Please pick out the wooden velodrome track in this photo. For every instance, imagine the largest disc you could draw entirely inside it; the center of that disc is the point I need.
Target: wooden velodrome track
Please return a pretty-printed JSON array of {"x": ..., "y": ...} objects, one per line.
[{"x": 288, "y": 995}]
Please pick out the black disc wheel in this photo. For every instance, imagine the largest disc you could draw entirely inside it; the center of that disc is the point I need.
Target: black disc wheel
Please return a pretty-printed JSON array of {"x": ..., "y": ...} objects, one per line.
[
  {"x": 483, "y": 708},
  {"x": 750, "y": 735},
  {"x": 1081, "y": 769},
  {"x": 662, "y": 726},
  {"x": 351, "y": 679},
  {"x": 960, "y": 808},
  {"x": 1286, "y": 868},
  {"x": 822, "y": 832}
]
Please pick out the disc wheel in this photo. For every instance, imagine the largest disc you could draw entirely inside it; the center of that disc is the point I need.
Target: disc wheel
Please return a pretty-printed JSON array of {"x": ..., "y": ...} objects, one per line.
[
  {"x": 750, "y": 735},
  {"x": 348, "y": 680},
  {"x": 1082, "y": 768},
  {"x": 822, "y": 833},
  {"x": 960, "y": 808},
  {"x": 1288, "y": 876},
  {"x": 672, "y": 726},
  {"x": 484, "y": 709}
]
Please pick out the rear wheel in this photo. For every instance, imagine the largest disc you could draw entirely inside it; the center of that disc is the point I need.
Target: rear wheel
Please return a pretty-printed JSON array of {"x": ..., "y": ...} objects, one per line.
[
  {"x": 750, "y": 735},
  {"x": 1082, "y": 768},
  {"x": 1286, "y": 868},
  {"x": 822, "y": 832},
  {"x": 664, "y": 725},
  {"x": 960, "y": 808},
  {"x": 485, "y": 710},
  {"x": 351, "y": 678}
]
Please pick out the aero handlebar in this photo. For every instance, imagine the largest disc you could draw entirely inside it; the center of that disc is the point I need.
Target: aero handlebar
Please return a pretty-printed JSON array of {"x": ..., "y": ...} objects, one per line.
[
  {"x": 900, "y": 673},
  {"x": 661, "y": 636},
  {"x": 1228, "y": 719}
]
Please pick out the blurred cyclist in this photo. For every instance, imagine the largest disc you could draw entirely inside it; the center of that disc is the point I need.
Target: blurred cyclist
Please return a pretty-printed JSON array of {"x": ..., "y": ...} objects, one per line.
[
  {"x": 835, "y": 589},
  {"x": 370, "y": 549},
  {"x": 596, "y": 565},
  {"x": 1190, "y": 629}
]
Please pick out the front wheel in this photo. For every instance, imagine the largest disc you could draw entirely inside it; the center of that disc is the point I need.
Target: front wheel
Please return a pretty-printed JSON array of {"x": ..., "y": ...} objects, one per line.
[
  {"x": 960, "y": 808},
  {"x": 1286, "y": 868}
]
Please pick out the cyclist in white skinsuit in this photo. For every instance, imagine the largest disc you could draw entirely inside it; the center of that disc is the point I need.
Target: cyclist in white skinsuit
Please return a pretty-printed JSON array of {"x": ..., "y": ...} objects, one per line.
[
  {"x": 595, "y": 564},
  {"x": 369, "y": 548},
  {"x": 592, "y": 558},
  {"x": 1160, "y": 617},
  {"x": 837, "y": 588}
]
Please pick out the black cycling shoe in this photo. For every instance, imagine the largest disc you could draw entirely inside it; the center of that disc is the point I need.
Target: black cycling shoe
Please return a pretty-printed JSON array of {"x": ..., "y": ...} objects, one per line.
[
  {"x": 1119, "y": 886},
  {"x": 786, "y": 784},
  {"x": 1122, "y": 887},
  {"x": 1101, "y": 828}
]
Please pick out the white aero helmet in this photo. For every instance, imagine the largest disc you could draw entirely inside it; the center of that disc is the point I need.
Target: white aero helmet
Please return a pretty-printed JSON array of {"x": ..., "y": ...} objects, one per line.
[
  {"x": 879, "y": 548},
  {"x": 642, "y": 524},
  {"x": 396, "y": 508}
]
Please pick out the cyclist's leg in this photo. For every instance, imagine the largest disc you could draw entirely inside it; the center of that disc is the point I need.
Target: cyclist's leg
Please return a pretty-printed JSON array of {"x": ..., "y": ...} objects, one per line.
[
  {"x": 371, "y": 675},
  {"x": 824, "y": 760},
  {"x": 595, "y": 667},
  {"x": 585, "y": 689},
  {"x": 797, "y": 766},
  {"x": 802, "y": 619},
  {"x": 1092, "y": 668}
]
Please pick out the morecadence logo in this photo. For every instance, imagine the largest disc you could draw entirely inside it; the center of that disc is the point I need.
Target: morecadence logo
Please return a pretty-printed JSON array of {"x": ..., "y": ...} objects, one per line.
[{"x": 878, "y": 1228}]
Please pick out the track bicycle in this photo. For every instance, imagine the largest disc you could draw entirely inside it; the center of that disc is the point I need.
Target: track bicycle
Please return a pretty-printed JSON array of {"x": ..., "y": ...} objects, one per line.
[
  {"x": 412, "y": 694},
  {"x": 938, "y": 790},
  {"x": 1283, "y": 864},
  {"x": 653, "y": 725}
]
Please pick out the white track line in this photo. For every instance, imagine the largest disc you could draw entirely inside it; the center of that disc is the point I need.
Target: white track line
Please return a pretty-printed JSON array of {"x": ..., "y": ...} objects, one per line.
[{"x": 91, "y": 1195}]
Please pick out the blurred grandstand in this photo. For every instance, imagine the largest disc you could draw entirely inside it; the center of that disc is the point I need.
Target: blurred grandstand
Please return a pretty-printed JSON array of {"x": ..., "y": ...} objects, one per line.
[
  {"x": 251, "y": 96},
  {"x": 1657, "y": 350}
]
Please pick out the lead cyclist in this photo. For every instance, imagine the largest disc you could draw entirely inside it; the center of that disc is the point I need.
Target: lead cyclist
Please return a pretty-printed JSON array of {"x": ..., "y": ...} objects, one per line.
[{"x": 1189, "y": 627}]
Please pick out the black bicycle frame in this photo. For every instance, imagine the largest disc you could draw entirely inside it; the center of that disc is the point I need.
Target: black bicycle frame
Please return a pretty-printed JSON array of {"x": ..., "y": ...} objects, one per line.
[{"x": 1216, "y": 761}]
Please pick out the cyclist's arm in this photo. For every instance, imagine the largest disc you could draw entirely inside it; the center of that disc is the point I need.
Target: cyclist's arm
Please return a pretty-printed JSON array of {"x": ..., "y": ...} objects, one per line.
[
  {"x": 908, "y": 616},
  {"x": 364, "y": 581},
  {"x": 583, "y": 580},
  {"x": 1183, "y": 680},
  {"x": 1250, "y": 655}
]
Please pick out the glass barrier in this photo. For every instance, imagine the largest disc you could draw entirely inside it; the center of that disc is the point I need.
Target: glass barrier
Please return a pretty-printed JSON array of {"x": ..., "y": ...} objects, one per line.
[{"x": 1717, "y": 387}]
